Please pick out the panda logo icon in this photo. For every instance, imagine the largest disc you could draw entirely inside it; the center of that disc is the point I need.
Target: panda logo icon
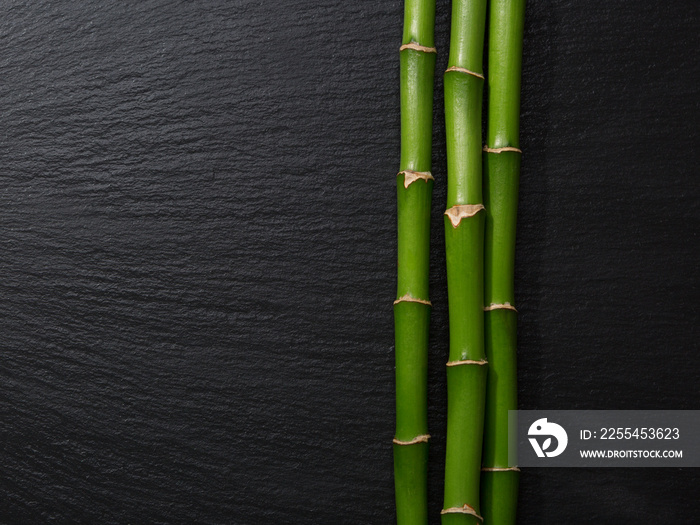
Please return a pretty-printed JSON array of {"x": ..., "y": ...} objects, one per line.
[{"x": 542, "y": 428}]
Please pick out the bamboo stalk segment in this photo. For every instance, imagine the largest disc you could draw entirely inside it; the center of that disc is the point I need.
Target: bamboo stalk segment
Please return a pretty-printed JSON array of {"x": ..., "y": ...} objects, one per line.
[
  {"x": 464, "y": 240},
  {"x": 414, "y": 185},
  {"x": 502, "y": 154}
]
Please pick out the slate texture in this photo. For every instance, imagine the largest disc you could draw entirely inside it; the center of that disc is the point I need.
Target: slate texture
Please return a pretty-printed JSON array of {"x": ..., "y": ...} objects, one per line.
[{"x": 197, "y": 255}]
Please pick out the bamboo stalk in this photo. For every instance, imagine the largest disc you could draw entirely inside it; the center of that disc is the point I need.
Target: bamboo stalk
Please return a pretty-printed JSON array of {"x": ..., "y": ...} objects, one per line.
[
  {"x": 499, "y": 492},
  {"x": 414, "y": 185},
  {"x": 464, "y": 237}
]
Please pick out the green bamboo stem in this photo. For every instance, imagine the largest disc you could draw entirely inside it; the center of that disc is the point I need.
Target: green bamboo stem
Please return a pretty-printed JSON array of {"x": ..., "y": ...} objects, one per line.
[
  {"x": 499, "y": 492},
  {"x": 464, "y": 237},
  {"x": 414, "y": 185}
]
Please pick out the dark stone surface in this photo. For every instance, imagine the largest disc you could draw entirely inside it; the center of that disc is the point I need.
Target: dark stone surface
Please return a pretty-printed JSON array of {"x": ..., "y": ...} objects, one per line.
[{"x": 197, "y": 252}]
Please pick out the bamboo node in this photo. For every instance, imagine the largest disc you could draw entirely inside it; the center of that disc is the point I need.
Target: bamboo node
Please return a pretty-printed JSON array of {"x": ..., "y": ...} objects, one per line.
[
  {"x": 500, "y": 469},
  {"x": 410, "y": 176},
  {"x": 408, "y": 299},
  {"x": 464, "y": 509},
  {"x": 502, "y": 150},
  {"x": 495, "y": 306},
  {"x": 464, "y": 70},
  {"x": 418, "y": 439},
  {"x": 417, "y": 47},
  {"x": 462, "y": 211},
  {"x": 479, "y": 362}
]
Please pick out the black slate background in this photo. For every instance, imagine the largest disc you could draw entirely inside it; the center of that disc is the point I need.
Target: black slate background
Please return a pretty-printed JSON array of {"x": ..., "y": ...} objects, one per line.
[{"x": 197, "y": 255}]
